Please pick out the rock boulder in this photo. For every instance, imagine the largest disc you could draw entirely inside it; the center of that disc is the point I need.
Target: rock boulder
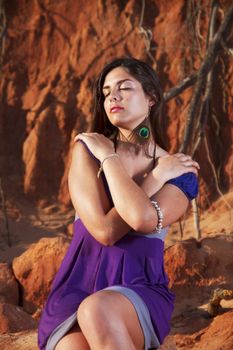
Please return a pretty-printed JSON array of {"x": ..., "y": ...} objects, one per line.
[
  {"x": 35, "y": 270},
  {"x": 14, "y": 319},
  {"x": 9, "y": 291}
]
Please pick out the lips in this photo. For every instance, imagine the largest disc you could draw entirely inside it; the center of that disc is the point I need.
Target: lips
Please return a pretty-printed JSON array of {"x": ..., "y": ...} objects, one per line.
[{"x": 115, "y": 109}]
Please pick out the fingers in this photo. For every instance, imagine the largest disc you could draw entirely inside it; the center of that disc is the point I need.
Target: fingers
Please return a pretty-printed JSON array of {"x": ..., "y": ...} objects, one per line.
[
  {"x": 86, "y": 134},
  {"x": 182, "y": 156},
  {"x": 82, "y": 135},
  {"x": 187, "y": 160},
  {"x": 191, "y": 163},
  {"x": 79, "y": 137},
  {"x": 178, "y": 155},
  {"x": 192, "y": 170}
]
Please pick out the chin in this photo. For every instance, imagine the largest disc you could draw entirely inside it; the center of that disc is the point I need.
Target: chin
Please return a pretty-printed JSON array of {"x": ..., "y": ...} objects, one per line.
[
  {"x": 119, "y": 124},
  {"x": 122, "y": 126},
  {"x": 116, "y": 123}
]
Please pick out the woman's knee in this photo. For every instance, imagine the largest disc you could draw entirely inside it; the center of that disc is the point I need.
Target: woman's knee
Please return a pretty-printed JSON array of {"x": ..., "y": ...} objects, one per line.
[
  {"x": 102, "y": 311},
  {"x": 93, "y": 310},
  {"x": 100, "y": 322}
]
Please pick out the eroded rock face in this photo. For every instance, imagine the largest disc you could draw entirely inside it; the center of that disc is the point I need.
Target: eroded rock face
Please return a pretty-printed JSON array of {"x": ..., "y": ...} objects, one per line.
[
  {"x": 52, "y": 57},
  {"x": 9, "y": 292},
  {"x": 14, "y": 319},
  {"x": 35, "y": 270}
]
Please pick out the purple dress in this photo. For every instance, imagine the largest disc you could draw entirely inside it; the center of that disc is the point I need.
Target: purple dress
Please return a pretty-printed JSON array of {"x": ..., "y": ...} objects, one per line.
[{"x": 134, "y": 262}]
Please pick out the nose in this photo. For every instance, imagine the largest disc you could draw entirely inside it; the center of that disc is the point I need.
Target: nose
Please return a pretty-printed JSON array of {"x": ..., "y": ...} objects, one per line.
[{"x": 114, "y": 96}]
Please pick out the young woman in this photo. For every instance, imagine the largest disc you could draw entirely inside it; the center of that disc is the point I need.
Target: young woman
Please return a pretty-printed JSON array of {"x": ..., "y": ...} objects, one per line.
[{"x": 111, "y": 291}]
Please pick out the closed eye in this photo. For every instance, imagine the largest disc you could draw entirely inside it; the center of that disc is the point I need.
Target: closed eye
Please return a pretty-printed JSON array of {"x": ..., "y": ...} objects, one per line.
[{"x": 120, "y": 88}]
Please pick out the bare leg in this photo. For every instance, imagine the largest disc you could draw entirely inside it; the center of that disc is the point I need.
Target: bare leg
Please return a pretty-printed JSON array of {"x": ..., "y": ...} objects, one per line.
[
  {"x": 109, "y": 321},
  {"x": 73, "y": 340}
]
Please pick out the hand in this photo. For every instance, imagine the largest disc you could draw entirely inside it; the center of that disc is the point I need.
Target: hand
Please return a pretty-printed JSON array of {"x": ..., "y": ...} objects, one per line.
[
  {"x": 170, "y": 166},
  {"x": 98, "y": 144}
]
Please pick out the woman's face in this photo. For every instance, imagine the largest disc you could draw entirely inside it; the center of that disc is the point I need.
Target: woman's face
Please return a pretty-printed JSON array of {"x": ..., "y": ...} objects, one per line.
[{"x": 125, "y": 103}]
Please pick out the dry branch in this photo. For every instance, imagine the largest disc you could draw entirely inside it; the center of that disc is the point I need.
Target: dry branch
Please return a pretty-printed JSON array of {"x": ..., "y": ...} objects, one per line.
[
  {"x": 204, "y": 111},
  {"x": 218, "y": 294},
  {"x": 215, "y": 175},
  {"x": 200, "y": 107},
  {"x": 206, "y": 107},
  {"x": 214, "y": 48},
  {"x": 146, "y": 33},
  {"x": 178, "y": 89}
]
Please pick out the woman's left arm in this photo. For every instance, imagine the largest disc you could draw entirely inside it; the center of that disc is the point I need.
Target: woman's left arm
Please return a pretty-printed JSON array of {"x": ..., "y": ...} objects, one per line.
[{"x": 171, "y": 199}]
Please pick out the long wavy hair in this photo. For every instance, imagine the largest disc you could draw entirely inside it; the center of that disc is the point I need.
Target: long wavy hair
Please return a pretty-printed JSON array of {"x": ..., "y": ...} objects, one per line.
[{"x": 143, "y": 73}]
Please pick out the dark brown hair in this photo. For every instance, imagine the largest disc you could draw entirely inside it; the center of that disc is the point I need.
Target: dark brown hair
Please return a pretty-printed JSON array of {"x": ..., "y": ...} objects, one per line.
[{"x": 151, "y": 86}]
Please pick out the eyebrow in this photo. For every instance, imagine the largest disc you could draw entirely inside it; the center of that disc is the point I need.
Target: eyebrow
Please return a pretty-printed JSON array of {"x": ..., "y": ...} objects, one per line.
[{"x": 118, "y": 83}]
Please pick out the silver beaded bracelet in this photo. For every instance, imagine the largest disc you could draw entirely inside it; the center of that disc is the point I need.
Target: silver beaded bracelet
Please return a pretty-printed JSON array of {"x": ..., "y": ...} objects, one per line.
[{"x": 160, "y": 216}]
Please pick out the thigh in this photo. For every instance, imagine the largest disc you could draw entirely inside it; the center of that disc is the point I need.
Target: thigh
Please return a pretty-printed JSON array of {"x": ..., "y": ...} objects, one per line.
[
  {"x": 74, "y": 340},
  {"x": 113, "y": 307}
]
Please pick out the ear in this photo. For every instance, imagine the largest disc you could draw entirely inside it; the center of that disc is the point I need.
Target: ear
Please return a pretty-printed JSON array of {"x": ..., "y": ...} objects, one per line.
[{"x": 151, "y": 102}]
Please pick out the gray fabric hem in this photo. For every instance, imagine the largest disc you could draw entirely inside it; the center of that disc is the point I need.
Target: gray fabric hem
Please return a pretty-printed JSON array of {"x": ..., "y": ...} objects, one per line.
[
  {"x": 161, "y": 235},
  {"x": 60, "y": 331},
  {"x": 151, "y": 339}
]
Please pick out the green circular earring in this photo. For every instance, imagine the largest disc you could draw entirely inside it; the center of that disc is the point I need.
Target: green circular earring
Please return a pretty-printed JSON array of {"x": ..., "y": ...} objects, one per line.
[{"x": 144, "y": 132}]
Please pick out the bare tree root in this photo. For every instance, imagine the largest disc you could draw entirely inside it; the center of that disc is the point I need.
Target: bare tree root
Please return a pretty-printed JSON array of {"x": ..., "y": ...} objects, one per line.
[
  {"x": 200, "y": 107},
  {"x": 214, "y": 305},
  {"x": 193, "y": 117},
  {"x": 196, "y": 219},
  {"x": 146, "y": 34},
  {"x": 214, "y": 173},
  {"x": 180, "y": 87}
]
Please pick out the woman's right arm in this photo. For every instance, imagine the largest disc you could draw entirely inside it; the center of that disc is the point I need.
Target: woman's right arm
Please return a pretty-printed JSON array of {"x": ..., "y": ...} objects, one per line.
[{"x": 90, "y": 201}]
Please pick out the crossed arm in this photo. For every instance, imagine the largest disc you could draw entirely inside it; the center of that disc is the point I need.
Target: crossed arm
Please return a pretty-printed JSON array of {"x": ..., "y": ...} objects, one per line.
[{"x": 132, "y": 206}]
